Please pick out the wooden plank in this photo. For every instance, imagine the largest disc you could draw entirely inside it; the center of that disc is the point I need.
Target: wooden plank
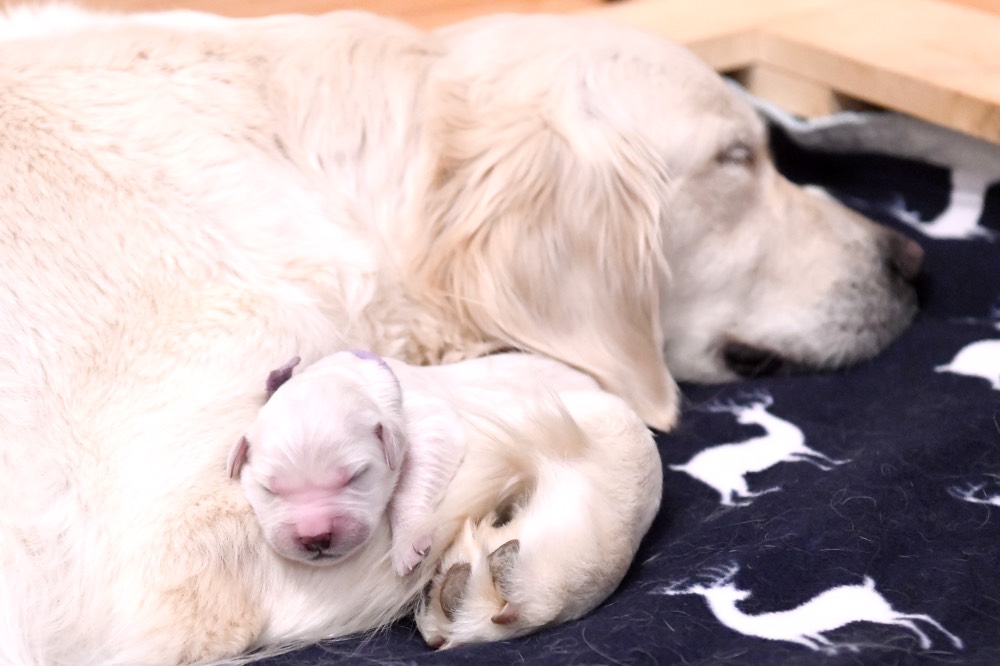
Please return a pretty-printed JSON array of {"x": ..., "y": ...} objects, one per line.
[
  {"x": 931, "y": 59},
  {"x": 794, "y": 93}
]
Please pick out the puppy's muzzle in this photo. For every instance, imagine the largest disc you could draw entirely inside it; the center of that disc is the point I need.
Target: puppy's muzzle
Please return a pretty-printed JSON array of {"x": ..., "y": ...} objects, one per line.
[{"x": 329, "y": 537}]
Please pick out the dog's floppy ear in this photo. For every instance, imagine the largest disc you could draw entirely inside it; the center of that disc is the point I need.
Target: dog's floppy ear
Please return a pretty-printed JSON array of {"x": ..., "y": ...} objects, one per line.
[
  {"x": 279, "y": 376},
  {"x": 394, "y": 442},
  {"x": 542, "y": 231},
  {"x": 237, "y": 457}
]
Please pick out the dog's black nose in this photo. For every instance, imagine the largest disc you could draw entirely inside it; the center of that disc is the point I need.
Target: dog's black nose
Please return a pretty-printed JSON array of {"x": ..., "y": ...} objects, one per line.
[
  {"x": 905, "y": 256},
  {"x": 316, "y": 543}
]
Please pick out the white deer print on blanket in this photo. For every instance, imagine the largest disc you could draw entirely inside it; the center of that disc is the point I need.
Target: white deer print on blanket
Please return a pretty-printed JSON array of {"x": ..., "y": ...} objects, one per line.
[
  {"x": 805, "y": 624},
  {"x": 986, "y": 492},
  {"x": 725, "y": 467},
  {"x": 960, "y": 220},
  {"x": 978, "y": 359}
]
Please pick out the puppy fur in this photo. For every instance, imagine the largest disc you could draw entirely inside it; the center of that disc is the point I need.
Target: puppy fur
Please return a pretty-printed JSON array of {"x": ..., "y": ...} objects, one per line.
[{"x": 187, "y": 202}]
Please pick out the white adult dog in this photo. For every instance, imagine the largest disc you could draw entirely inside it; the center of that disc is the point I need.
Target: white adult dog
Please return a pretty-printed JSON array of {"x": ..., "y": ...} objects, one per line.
[{"x": 184, "y": 208}]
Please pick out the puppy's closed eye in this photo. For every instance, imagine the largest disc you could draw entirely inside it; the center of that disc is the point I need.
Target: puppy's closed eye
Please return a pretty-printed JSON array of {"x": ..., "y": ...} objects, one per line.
[{"x": 359, "y": 475}]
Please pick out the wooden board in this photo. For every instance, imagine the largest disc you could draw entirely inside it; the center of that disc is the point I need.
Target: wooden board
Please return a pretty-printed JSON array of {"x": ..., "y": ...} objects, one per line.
[
  {"x": 928, "y": 58},
  {"x": 936, "y": 60}
]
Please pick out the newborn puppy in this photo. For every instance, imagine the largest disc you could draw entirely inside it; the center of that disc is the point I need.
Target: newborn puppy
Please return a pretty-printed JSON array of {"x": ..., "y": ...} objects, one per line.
[
  {"x": 545, "y": 505},
  {"x": 329, "y": 449}
]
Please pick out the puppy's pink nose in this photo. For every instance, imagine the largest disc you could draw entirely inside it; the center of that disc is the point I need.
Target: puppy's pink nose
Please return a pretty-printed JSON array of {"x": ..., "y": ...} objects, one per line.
[{"x": 316, "y": 543}]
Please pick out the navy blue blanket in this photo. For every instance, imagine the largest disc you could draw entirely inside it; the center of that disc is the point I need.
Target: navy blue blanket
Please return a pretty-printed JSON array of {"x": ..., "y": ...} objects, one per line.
[{"x": 853, "y": 517}]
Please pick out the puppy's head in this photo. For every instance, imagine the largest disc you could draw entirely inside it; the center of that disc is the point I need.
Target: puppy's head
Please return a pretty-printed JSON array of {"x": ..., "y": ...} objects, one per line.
[{"x": 320, "y": 462}]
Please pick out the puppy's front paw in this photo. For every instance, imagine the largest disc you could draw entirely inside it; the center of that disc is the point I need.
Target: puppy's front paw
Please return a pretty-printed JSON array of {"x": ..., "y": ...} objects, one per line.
[{"x": 407, "y": 554}]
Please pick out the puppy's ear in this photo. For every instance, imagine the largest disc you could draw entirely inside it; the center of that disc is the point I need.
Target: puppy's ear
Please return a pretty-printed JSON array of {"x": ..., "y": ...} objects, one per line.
[
  {"x": 393, "y": 441},
  {"x": 237, "y": 457},
  {"x": 279, "y": 376},
  {"x": 543, "y": 231}
]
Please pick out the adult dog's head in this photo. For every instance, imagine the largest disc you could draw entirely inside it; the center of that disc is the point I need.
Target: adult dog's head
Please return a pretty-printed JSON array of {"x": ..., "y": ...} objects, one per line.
[
  {"x": 601, "y": 196},
  {"x": 321, "y": 460}
]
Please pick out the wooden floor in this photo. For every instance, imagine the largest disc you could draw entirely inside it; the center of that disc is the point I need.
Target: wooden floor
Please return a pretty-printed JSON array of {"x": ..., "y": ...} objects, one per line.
[{"x": 935, "y": 59}]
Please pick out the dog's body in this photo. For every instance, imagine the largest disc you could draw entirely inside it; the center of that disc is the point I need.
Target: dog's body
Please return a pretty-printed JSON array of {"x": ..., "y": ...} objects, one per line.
[{"x": 182, "y": 210}]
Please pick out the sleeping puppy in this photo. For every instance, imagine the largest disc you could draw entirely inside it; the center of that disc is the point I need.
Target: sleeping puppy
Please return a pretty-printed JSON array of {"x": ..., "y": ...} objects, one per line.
[
  {"x": 540, "y": 527},
  {"x": 332, "y": 450}
]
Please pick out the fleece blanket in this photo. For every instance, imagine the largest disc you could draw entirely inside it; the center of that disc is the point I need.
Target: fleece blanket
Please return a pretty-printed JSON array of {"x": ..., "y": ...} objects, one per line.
[{"x": 844, "y": 518}]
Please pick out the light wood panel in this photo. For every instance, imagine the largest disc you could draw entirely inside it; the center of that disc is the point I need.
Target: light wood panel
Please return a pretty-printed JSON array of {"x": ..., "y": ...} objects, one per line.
[
  {"x": 936, "y": 60},
  {"x": 931, "y": 59}
]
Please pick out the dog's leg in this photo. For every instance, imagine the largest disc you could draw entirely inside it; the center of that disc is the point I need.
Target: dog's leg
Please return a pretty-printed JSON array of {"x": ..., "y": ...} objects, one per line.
[{"x": 560, "y": 529}]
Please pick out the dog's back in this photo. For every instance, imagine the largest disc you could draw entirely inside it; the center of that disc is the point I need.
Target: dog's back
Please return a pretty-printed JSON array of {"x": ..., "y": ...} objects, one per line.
[
  {"x": 121, "y": 542},
  {"x": 164, "y": 248}
]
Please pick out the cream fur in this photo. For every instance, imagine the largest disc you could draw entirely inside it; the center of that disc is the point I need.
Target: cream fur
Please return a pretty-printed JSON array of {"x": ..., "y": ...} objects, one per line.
[{"x": 187, "y": 202}]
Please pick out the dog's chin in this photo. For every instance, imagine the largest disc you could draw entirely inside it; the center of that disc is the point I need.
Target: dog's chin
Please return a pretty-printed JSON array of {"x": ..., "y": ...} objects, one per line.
[
  {"x": 747, "y": 361},
  {"x": 326, "y": 558},
  {"x": 840, "y": 342},
  {"x": 287, "y": 548},
  {"x": 320, "y": 560}
]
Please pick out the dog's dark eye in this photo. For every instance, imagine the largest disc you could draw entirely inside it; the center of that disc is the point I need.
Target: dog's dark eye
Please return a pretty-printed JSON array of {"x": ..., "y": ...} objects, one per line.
[
  {"x": 738, "y": 154},
  {"x": 360, "y": 474}
]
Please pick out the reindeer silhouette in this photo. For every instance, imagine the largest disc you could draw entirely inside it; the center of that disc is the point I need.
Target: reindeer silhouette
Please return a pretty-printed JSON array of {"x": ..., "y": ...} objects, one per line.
[
  {"x": 725, "y": 467},
  {"x": 978, "y": 359},
  {"x": 805, "y": 624},
  {"x": 976, "y": 492},
  {"x": 960, "y": 220}
]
